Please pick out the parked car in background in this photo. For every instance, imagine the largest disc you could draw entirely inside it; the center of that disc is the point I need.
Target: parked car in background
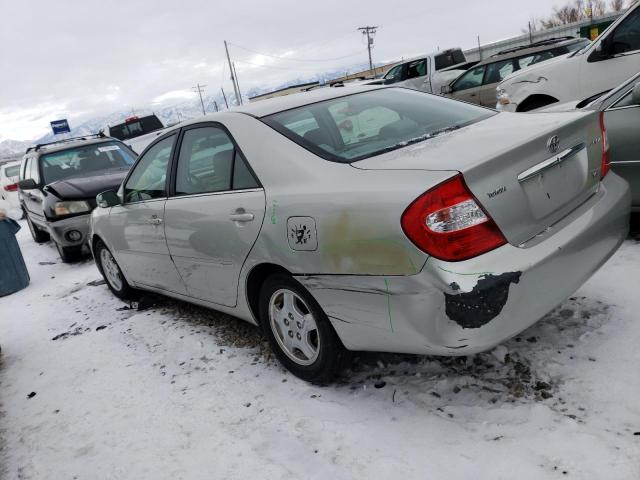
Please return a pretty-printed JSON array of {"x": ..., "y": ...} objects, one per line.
[
  {"x": 58, "y": 185},
  {"x": 478, "y": 84},
  {"x": 439, "y": 228},
  {"x": 137, "y": 132},
  {"x": 427, "y": 73},
  {"x": 607, "y": 62},
  {"x": 9, "y": 173},
  {"x": 620, "y": 116}
]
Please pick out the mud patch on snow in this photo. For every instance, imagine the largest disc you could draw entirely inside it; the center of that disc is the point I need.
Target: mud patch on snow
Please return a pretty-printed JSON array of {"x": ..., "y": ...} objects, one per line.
[{"x": 520, "y": 370}]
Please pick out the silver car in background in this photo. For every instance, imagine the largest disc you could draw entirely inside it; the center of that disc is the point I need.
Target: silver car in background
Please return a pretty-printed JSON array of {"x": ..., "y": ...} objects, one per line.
[
  {"x": 381, "y": 219},
  {"x": 620, "y": 115}
]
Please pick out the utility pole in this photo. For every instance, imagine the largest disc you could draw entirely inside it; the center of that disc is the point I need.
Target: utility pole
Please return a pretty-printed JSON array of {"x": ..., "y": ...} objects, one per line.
[
  {"x": 233, "y": 77},
  {"x": 215, "y": 105},
  {"x": 479, "y": 48},
  {"x": 369, "y": 32},
  {"x": 199, "y": 89},
  {"x": 225, "y": 98},
  {"x": 237, "y": 82}
]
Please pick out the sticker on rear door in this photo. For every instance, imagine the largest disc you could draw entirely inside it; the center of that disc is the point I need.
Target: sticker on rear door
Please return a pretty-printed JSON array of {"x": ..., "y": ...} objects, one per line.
[{"x": 302, "y": 234}]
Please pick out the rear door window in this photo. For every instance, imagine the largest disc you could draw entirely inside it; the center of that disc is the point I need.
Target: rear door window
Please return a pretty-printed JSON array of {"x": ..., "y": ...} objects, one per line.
[
  {"x": 209, "y": 162},
  {"x": 12, "y": 171}
]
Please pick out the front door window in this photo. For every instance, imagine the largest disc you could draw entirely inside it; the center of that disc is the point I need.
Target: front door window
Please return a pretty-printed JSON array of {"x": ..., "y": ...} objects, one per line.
[{"x": 149, "y": 177}]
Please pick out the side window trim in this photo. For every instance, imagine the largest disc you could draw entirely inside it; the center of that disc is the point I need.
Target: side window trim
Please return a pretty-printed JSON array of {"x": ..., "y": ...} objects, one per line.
[
  {"x": 173, "y": 169},
  {"x": 137, "y": 162}
]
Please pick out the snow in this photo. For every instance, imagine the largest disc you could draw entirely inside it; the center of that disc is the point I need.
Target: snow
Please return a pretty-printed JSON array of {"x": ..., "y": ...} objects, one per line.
[{"x": 179, "y": 392}]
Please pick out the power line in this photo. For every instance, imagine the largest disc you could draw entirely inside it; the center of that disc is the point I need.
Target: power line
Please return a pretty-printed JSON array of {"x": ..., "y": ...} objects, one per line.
[
  {"x": 370, "y": 33},
  {"x": 199, "y": 89}
]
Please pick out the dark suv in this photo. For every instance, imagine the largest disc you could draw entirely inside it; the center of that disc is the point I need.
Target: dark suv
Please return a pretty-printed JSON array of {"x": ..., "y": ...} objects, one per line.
[{"x": 59, "y": 182}]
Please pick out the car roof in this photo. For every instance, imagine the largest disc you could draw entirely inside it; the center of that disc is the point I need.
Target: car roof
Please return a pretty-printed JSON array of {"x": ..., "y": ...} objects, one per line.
[
  {"x": 522, "y": 52},
  {"x": 287, "y": 102},
  {"x": 68, "y": 144}
]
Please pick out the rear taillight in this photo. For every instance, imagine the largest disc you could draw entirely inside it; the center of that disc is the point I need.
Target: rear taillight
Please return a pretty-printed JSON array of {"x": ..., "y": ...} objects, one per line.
[
  {"x": 448, "y": 223},
  {"x": 606, "y": 154},
  {"x": 11, "y": 188}
]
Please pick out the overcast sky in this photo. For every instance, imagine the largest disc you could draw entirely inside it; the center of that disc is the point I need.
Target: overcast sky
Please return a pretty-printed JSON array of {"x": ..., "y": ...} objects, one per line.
[{"x": 83, "y": 58}]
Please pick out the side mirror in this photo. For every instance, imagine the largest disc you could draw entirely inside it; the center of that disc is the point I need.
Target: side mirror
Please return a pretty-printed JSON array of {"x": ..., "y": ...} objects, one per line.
[
  {"x": 27, "y": 184},
  {"x": 446, "y": 89},
  {"x": 108, "y": 199},
  {"x": 635, "y": 94}
]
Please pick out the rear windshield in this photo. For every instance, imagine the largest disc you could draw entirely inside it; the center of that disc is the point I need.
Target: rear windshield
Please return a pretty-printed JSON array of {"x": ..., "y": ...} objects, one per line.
[
  {"x": 449, "y": 59},
  {"x": 12, "y": 171},
  {"x": 136, "y": 128},
  {"x": 362, "y": 125},
  {"x": 85, "y": 161}
]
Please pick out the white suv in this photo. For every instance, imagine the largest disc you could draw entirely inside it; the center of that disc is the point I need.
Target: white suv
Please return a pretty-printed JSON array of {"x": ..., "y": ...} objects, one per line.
[{"x": 607, "y": 62}]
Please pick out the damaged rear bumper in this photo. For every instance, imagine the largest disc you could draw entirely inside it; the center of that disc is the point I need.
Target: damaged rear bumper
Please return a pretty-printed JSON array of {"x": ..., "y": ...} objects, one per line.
[{"x": 466, "y": 307}]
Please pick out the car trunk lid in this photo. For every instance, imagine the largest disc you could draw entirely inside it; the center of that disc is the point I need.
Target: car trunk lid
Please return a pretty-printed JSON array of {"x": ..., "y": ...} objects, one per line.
[{"x": 526, "y": 170}]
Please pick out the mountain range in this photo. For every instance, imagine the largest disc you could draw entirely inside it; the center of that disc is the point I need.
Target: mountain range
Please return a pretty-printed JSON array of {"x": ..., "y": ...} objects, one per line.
[{"x": 172, "y": 114}]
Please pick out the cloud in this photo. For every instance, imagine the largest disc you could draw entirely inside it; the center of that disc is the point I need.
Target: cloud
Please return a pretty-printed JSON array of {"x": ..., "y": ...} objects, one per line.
[{"x": 98, "y": 60}]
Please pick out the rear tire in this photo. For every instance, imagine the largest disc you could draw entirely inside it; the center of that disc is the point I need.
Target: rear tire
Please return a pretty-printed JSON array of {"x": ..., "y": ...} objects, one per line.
[
  {"x": 112, "y": 273},
  {"x": 69, "y": 254},
  {"x": 299, "y": 331},
  {"x": 38, "y": 235}
]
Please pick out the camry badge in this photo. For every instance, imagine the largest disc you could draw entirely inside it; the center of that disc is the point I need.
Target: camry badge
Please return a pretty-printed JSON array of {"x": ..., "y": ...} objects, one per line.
[{"x": 553, "y": 144}]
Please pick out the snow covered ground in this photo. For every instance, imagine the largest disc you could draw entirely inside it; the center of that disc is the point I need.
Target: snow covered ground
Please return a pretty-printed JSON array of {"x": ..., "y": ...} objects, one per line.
[{"x": 93, "y": 389}]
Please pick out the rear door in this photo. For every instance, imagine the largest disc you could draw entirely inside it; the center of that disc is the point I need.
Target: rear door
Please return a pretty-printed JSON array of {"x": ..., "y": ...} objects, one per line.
[
  {"x": 623, "y": 131},
  {"x": 214, "y": 214},
  {"x": 136, "y": 228}
]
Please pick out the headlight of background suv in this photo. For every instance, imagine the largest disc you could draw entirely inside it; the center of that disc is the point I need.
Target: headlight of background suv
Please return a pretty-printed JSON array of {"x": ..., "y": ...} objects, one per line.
[
  {"x": 502, "y": 97},
  {"x": 70, "y": 208}
]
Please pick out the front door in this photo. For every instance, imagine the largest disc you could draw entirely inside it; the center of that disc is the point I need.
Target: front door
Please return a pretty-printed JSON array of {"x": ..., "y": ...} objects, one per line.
[
  {"x": 622, "y": 46},
  {"x": 136, "y": 234},
  {"x": 469, "y": 86},
  {"x": 415, "y": 76},
  {"x": 33, "y": 200},
  {"x": 214, "y": 214}
]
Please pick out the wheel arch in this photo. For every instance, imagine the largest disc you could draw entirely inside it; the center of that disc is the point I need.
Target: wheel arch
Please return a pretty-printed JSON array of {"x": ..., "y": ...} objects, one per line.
[
  {"x": 255, "y": 278},
  {"x": 536, "y": 101}
]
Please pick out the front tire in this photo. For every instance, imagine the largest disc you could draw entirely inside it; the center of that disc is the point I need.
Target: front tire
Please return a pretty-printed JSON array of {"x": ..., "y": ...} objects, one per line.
[
  {"x": 299, "y": 331},
  {"x": 38, "y": 235},
  {"x": 112, "y": 273}
]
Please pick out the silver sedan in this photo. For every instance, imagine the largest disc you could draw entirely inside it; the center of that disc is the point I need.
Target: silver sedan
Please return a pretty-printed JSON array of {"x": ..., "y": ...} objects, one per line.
[{"x": 380, "y": 219}]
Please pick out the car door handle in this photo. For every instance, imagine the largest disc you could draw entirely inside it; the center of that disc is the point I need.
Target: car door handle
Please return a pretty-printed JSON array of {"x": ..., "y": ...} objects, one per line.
[
  {"x": 154, "y": 221},
  {"x": 241, "y": 217}
]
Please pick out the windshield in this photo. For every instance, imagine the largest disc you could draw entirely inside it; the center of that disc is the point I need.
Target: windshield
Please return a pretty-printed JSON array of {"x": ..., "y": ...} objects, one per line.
[
  {"x": 362, "y": 125},
  {"x": 85, "y": 161},
  {"x": 135, "y": 128},
  {"x": 12, "y": 171}
]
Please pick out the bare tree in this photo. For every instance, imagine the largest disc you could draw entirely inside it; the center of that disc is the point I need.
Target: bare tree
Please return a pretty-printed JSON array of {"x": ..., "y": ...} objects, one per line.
[
  {"x": 617, "y": 5},
  {"x": 576, "y": 10}
]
